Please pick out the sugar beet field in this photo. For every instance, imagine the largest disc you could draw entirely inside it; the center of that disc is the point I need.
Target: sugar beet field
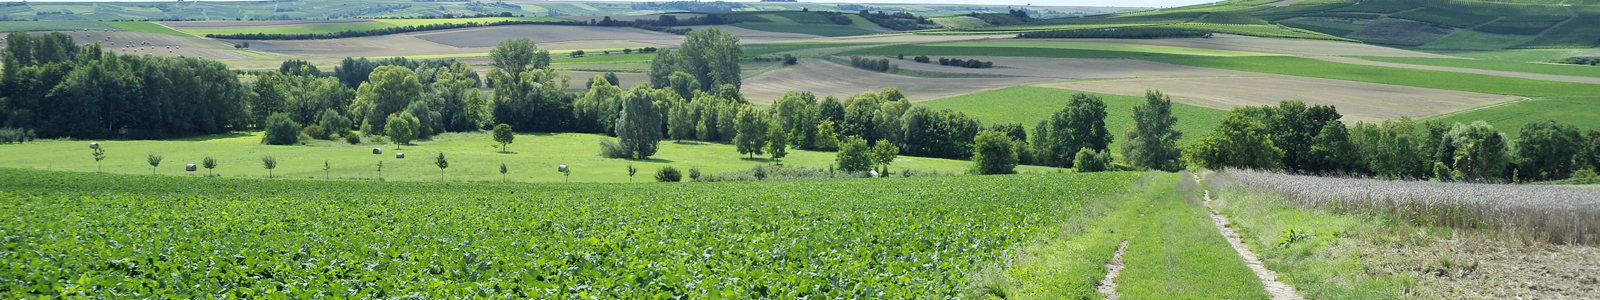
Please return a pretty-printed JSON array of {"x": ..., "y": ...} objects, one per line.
[{"x": 103, "y": 235}]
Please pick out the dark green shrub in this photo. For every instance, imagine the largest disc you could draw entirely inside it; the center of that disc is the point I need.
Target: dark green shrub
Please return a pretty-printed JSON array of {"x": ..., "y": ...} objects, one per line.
[
  {"x": 281, "y": 130},
  {"x": 669, "y": 174}
]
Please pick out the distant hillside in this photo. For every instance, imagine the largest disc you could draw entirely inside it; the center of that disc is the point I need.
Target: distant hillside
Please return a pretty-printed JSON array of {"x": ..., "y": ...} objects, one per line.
[{"x": 1441, "y": 24}]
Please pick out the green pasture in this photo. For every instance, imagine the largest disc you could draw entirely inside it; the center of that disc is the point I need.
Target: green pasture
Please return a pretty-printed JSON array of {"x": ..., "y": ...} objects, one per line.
[
  {"x": 1094, "y": 46},
  {"x": 148, "y": 27},
  {"x": 816, "y": 29},
  {"x": 1005, "y": 106},
  {"x": 472, "y": 157},
  {"x": 596, "y": 57},
  {"x": 1580, "y": 111},
  {"x": 1520, "y": 55},
  {"x": 1537, "y": 68}
]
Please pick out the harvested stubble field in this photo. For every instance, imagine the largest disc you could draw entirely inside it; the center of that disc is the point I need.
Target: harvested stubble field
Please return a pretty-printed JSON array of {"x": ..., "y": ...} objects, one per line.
[
  {"x": 134, "y": 43},
  {"x": 823, "y": 77},
  {"x": 1349, "y": 254},
  {"x": 491, "y": 36},
  {"x": 1531, "y": 213}
]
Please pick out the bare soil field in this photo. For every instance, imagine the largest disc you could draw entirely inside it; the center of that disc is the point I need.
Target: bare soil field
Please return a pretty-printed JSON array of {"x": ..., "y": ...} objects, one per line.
[
  {"x": 827, "y": 78},
  {"x": 384, "y": 45},
  {"x": 1274, "y": 46},
  {"x": 491, "y": 36},
  {"x": 1358, "y": 101},
  {"x": 141, "y": 43},
  {"x": 1073, "y": 68},
  {"x": 259, "y": 24}
]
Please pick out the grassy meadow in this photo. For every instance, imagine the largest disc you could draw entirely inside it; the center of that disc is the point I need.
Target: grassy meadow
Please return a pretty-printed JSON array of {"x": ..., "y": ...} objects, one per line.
[
  {"x": 148, "y": 27},
  {"x": 472, "y": 157},
  {"x": 1536, "y": 68},
  {"x": 1000, "y": 106}
]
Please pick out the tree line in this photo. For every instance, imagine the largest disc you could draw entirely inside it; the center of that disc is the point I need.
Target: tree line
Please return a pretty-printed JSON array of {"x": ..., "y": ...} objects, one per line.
[
  {"x": 1297, "y": 138},
  {"x": 59, "y": 89}
]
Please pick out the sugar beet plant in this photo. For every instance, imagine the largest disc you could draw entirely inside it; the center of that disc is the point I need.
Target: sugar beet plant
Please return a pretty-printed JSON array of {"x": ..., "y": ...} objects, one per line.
[
  {"x": 1554, "y": 214},
  {"x": 152, "y": 237}
]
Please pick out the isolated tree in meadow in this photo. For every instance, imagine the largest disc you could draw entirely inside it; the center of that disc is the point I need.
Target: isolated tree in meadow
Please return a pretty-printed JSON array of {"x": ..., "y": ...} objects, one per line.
[
  {"x": 669, "y": 174},
  {"x": 402, "y": 128},
  {"x": 854, "y": 155},
  {"x": 1152, "y": 142},
  {"x": 99, "y": 155},
  {"x": 826, "y": 139},
  {"x": 504, "y": 135},
  {"x": 390, "y": 89},
  {"x": 752, "y": 130},
  {"x": 155, "y": 161},
  {"x": 209, "y": 163},
  {"x": 1240, "y": 141},
  {"x": 1082, "y": 124},
  {"x": 442, "y": 163},
  {"x": 632, "y": 170},
  {"x": 326, "y": 168},
  {"x": 638, "y": 126},
  {"x": 503, "y": 172},
  {"x": 777, "y": 142},
  {"x": 993, "y": 153},
  {"x": 380, "y": 170},
  {"x": 269, "y": 163},
  {"x": 281, "y": 130},
  {"x": 884, "y": 154}
]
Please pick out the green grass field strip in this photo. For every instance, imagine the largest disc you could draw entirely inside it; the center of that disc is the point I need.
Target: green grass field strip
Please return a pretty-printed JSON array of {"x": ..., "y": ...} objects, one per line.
[
  {"x": 1537, "y": 68},
  {"x": 858, "y": 21},
  {"x": 1027, "y": 105},
  {"x": 415, "y": 22},
  {"x": 595, "y": 57},
  {"x": 814, "y": 29},
  {"x": 1111, "y": 47},
  {"x": 252, "y": 54},
  {"x": 916, "y": 237},
  {"x": 305, "y": 29},
  {"x": 52, "y": 25},
  {"x": 473, "y": 156},
  {"x": 764, "y": 49},
  {"x": 1174, "y": 251},
  {"x": 1322, "y": 267},
  {"x": 1284, "y": 65},
  {"x": 148, "y": 27},
  {"x": 778, "y": 19},
  {"x": 1519, "y": 55}
]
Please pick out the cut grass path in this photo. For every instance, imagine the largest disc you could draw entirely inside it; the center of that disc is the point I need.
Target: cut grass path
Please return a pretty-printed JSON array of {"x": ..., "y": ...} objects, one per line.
[
  {"x": 472, "y": 156},
  {"x": 1175, "y": 253}
]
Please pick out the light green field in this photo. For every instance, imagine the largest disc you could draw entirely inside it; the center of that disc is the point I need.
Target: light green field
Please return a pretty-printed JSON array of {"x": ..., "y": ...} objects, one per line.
[
  {"x": 416, "y": 22},
  {"x": 1578, "y": 111},
  {"x": 1118, "y": 47},
  {"x": 1002, "y": 106},
  {"x": 52, "y": 25},
  {"x": 778, "y": 19},
  {"x": 148, "y": 27},
  {"x": 1474, "y": 40},
  {"x": 252, "y": 54},
  {"x": 822, "y": 30},
  {"x": 1538, "y": 68},
  {"x": 1524, "y": 55},
  {"x": 306, "y": 29},
  {"x": 858, "y": 21},
  {"x": 472, "y": 156},
  {"x": 595, "y": 57}
]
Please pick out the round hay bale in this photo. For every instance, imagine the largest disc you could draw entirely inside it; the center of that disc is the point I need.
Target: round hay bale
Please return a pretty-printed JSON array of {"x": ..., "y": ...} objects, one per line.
[
  {"x": 562, "y": 168},
  {"x": 189, "y": 168},
  {"x": 377, "y": 150},
  {"x": 399, "y": 155},
  {"x": 94, "y": 145}
]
